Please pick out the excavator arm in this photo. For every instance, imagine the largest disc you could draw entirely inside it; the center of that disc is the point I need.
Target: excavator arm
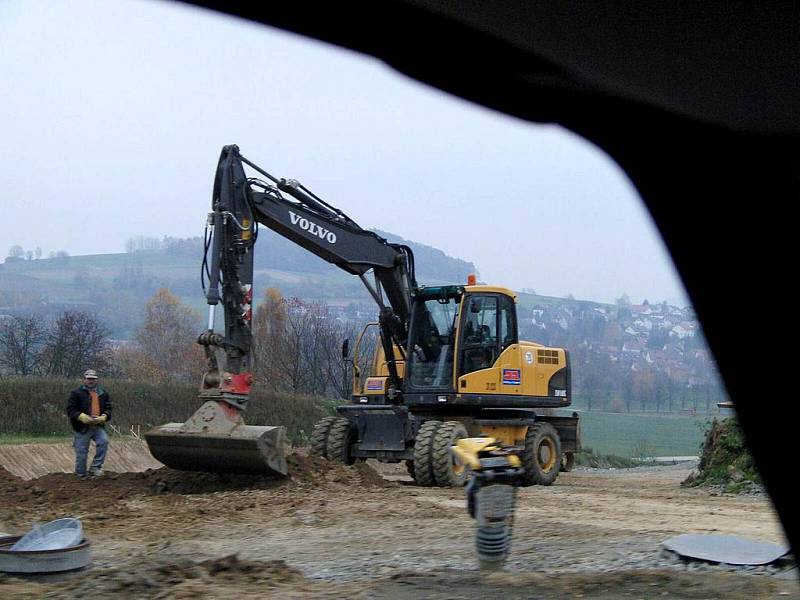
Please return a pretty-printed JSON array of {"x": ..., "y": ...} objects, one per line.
[
  {"x": 293, "y": 211},
  {"x": 215, "y": 438}
]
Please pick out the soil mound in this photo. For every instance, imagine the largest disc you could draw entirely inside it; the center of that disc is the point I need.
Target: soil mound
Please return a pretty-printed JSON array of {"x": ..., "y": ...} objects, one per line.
[
  {"x": 369, "y": 477},
  {"x": 307, "y": 469},
  {"x": 165, "y": 480},
  {"x": 725, "y": 460},
  {"x": 7, "y": 478},
  {"x": 64, "y": 491}
]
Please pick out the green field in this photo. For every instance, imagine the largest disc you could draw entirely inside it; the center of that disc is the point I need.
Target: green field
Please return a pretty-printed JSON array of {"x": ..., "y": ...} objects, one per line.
[
  {"x": 141, "y": 405},
  {"x": 631, "y": 435},
  {"x": 623, "y": 435}
]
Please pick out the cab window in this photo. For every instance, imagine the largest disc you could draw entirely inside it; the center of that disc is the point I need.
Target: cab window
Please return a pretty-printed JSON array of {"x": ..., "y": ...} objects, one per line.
[
  {"x": 430, "y": 363},
  {"x": 508, "y": 323},
  {"x": 479, "y": 341}
]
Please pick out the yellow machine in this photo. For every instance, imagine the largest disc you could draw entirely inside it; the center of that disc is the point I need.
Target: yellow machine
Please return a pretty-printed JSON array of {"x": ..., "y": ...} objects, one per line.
[
  {"x": 488, "y": 364},
  {"x": 464, "y": 373},
  {"x": 449, "y": 363},
  {"x": 491, "y": 495}
]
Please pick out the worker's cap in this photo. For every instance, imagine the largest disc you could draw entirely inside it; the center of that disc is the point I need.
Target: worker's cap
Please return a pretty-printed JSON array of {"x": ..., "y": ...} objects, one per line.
[{"x": 90, "y": 374}]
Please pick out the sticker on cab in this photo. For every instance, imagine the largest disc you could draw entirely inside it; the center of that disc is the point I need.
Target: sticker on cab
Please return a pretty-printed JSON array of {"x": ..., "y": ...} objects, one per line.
[
  {"x": 511, "y": 377},
  {"x": 374, "y": 384}
]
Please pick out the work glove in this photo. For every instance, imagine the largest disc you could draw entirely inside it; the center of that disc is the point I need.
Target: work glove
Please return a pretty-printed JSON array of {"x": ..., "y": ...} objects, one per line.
[
  {"x": 100, "y": 420},
  {"x": 85, "y": 419}
]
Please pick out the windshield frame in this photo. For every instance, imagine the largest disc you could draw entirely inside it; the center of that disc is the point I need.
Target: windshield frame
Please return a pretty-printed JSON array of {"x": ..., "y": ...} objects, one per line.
[{"x": 451, "y": 295}]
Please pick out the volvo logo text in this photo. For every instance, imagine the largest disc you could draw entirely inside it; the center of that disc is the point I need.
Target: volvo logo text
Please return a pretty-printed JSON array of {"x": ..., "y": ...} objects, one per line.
[{"x": 312, "y": 228}]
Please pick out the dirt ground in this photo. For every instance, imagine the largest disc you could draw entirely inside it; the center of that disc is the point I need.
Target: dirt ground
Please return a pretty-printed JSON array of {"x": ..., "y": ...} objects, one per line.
[{"x": 356, "y": 532}]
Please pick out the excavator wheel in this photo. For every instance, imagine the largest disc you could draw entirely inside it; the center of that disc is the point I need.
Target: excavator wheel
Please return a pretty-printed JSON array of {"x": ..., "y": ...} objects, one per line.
[
  {"x": 448, "y": 470},
  {"x": 423, "y": 453},
  {"x": 542, "y": 455},
  {"x": 410, "y": 468},
  {"x": 319, "y": 436},
  {"x": 340, "y": 440}
]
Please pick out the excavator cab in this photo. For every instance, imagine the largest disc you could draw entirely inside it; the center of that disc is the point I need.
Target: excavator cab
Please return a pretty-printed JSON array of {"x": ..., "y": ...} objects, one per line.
[{"x": 464, "y": 340}]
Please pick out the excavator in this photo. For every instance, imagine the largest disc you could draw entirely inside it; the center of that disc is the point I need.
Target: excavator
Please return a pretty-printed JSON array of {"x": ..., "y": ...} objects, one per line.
[{"x": 448, "y": 363}]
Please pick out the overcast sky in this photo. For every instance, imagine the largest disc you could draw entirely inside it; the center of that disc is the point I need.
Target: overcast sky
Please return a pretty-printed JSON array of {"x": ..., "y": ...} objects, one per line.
[{"x": 113, "y": 115}]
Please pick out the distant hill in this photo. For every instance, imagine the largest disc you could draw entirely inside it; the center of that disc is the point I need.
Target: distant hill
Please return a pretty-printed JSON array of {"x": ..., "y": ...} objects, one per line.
[
  {"x": 276, "y": 253},
  {"x": 116, "y": 286},
  {"x": 433, "y": 265}
]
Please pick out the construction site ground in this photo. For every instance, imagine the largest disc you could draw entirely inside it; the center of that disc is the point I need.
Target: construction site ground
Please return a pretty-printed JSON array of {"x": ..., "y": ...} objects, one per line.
[{"x": 331, "y": 531}]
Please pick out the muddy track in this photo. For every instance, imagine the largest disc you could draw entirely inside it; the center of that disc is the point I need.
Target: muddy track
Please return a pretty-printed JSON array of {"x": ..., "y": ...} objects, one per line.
[{"x": 335, "y": 531}]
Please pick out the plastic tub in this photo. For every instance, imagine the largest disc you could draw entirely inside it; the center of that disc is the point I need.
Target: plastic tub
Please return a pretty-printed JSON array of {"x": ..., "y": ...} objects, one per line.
[
  {"x": 43, "y": 562},
  {"x": 55, "y": 535}
]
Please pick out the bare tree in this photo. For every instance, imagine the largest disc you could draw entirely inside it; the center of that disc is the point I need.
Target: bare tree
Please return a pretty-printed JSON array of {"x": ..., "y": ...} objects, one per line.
[
  {"x": 338, "y": 371},
  {"x": 269, "y": 340},
  {"x": 77, "y": 341},
  {"x": 130, "y": 362},
  {"x": 16, "y": 251},
  {"x": 141, "y": 242},
  {"x": 168, "y": 337},
  {"x": 297, "y": 347},
  {"x": 21, "y": 340},
  {"x": 297, "y": 376}
]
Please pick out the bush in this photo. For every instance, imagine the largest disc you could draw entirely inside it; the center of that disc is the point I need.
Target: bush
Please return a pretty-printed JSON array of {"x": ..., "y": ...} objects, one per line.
[
  {"x": 588, "y": 458},
  {"x": 724, "y": 458},
  {"x": 37, "y": 406},
  {"x": 643, "y": 452}
]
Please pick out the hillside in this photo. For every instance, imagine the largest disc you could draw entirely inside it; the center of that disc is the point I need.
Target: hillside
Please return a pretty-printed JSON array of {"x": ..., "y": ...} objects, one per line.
[
  {"x": 116, "y": 286},
  {"x": 433, "y": 265}
]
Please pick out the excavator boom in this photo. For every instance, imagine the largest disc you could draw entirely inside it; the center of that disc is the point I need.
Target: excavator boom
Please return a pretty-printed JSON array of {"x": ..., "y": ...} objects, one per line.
[{"x": 216, "y": 438}]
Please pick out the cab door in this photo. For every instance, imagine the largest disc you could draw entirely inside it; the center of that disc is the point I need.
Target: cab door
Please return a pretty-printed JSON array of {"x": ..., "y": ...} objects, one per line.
[{"x": 487, "y": 357}]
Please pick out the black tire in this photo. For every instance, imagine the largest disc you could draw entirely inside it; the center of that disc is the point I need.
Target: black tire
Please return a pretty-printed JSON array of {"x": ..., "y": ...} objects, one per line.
[
  {"x": 423, "y": 446},
  {"x": 319, "y": 436},
  {"x": 567, "y": 461},
  {"x": 448, "y": 471},
  {"x": 340, "y": 440},
  {"x": 410, "y": 469},
  {"x": 542, "y": 455}
]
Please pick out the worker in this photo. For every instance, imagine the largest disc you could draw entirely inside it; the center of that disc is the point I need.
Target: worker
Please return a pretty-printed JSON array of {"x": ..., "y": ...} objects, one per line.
[{"x": 89, "y": 409}]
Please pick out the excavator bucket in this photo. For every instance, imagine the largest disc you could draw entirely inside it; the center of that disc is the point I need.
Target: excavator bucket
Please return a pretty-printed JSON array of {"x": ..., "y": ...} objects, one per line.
[{"x": 215, "y": 439}]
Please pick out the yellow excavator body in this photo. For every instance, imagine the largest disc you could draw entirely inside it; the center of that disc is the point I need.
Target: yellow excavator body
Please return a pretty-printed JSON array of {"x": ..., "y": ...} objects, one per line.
[{"x": 522, "y": 368}]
